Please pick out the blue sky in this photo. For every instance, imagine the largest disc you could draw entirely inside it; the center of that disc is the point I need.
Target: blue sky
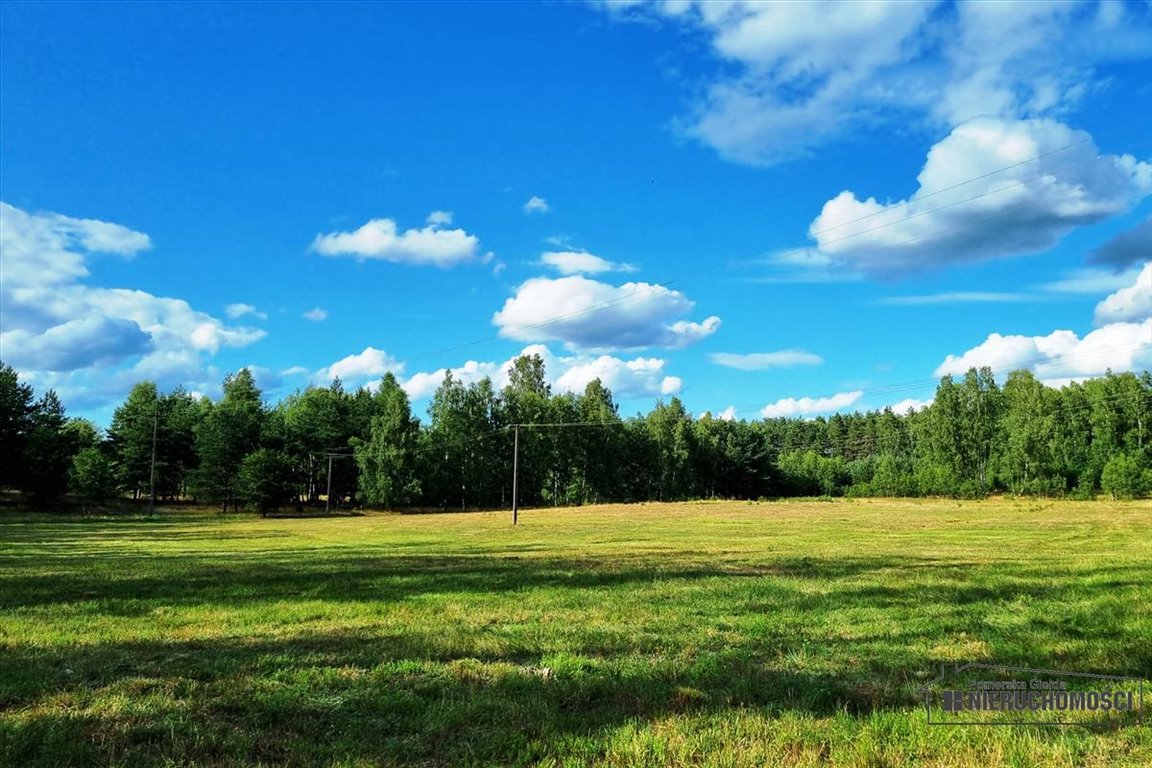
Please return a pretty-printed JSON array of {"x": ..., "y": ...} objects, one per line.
[{"x": 772, "y": 209}]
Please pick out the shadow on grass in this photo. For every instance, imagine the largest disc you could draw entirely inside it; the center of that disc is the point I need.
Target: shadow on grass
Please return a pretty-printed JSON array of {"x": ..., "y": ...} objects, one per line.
[
  {"x": 341, "y": 696},
  {"x": 454, "y": 695},
  {"x": 338, "y": 695},
  {"x": 62, "y": 573}
]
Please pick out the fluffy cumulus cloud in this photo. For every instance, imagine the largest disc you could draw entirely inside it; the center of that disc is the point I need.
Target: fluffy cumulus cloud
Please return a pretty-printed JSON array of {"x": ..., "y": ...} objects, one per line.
[
  {"x": 536, "y": 205},
  {"x": 728, "y": 414},
  {"x": 636, "y": 378},
  {"x": 758, "y": 361},
  {"x": 1061, "y": 355},
  {"x": 626, "y": 378},
  {"x": 581, "y": 263},
  {"x": 1122, "y": 342},
  {"x": 910, "y": 404},
  {"x": 799, "y": 75},
  {"x": 422, "y": 384},
  {"x": 587, "y": 314},
  {"x": 791, "y": 407},
  {"x": 92, "y": 343},
  {"x": 358, "y": 369},
  {"x": 991, "y": 188},
  {"x": 433, "y": 244},
  {"x": 72, "y": 344},
  {"x": 51, "y": 249},
  {"x": 829, "y": 52},
  {"x": 1128, "y": 305},
  {"x": 1127, "y": 248}
]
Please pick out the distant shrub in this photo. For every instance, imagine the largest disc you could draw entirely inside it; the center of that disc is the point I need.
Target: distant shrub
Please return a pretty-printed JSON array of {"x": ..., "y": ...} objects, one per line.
[{"x": 1124, "y": 477}]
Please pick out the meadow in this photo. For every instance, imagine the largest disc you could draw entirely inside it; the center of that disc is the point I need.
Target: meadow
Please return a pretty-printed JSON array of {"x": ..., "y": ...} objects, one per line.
[{"x": 698, "y": 634}]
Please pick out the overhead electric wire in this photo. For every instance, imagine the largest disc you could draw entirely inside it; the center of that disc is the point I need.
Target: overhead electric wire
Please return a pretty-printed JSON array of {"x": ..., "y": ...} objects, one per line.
[
  {"x": 951, "y": 187},
  {"x": 666, "y": 283},
  {"x": 928, "y": 381},
  {"x": 625, "y": 422}
]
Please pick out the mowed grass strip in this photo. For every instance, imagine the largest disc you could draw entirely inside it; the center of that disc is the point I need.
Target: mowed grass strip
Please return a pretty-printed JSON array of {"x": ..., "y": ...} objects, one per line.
[{"x": 727, "y": 634}]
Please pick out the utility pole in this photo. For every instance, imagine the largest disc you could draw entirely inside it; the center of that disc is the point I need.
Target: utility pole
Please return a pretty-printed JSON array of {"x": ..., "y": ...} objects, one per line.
[
  {"x": 328, "y": 497},
  {"x": 515, "y": 468},
  {"x": 152, "y": 473}
]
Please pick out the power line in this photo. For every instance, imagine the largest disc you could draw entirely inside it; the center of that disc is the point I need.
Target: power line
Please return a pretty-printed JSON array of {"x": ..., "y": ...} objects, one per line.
[
  {"x": 666, "y": 283},
  {"x": 949, "y": 188},
  {"x": 1018, "y": 365}
]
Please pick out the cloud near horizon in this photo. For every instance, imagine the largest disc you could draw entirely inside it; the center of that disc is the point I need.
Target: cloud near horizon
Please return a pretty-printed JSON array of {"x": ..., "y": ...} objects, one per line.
[
  {"x": 1122, "y": 342},
  {"x": 590, "y": 315},
  {"x": 637, "y": 377},
  {"x": 92, "y": 343},
  {"x": 791, "y": 407},
  {"x": 1130, "y": 304}
]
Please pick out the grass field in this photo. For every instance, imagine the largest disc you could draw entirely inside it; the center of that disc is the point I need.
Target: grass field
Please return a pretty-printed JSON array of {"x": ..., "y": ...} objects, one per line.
[{"x": 727, "y": 634}]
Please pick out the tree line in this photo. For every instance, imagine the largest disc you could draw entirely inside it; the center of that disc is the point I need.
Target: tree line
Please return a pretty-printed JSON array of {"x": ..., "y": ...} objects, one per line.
[{"x": 328, "y": 445}]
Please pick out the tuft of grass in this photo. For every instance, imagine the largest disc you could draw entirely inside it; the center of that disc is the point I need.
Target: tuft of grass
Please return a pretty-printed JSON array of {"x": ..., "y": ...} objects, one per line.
[{"x": 714, "y": 634}]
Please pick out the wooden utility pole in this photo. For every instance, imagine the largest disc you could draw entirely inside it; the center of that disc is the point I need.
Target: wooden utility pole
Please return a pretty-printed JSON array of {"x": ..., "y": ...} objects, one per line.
[
  {"x": 328, "y": 497},
  {"x": 152, "y": 473},
  {"x": 515, "y": 469}
]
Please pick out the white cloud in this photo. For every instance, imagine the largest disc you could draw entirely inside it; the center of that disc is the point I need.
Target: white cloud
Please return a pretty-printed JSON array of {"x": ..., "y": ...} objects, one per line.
[
  {"x": 955, "y": 216},
  {"x": 799, "y": 75},
  {"x": 80, "y": 343},
  {"x": 639, "y": 377},
  {"x": 48, "y": 248},
  {"x": 728, "y": 414},
  {"x": 626, "y": 378},
  {"x": 236, "y": 311},
  {"x": 910, "y": 403},
  {"x": 356, "y": 370},
  {"x": 1061, "y": 354},
  {"x": 957, "y": 297},
  {"x": 1128, "y": 305},
  {"x": 581, "y": 262},
  {"x": 758, "y": 361},
  {"x": 381, "y": 239},
  {"x": 536, "y": 205},
  {"x": 423, "y": 384},
  {"x": 90, "y": 343},
  {"x": 587, "y": 314},
  {"x": 316, "y": 314},
  {"x": 1091, "y": 280},
  {"x": 790, "y": 407},
  {"x": 1122, "y": 343},
  {"x": 806, "y": 68}
]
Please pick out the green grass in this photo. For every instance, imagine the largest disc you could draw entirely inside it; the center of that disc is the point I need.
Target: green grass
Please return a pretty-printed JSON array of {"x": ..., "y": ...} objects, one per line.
[{"x": 724, "y": 634}]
